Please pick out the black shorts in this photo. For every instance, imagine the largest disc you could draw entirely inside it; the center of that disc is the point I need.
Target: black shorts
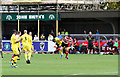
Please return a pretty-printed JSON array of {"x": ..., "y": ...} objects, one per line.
[
  {"x": 90, "y": 46},
  {"x": 64, "y": 45}
]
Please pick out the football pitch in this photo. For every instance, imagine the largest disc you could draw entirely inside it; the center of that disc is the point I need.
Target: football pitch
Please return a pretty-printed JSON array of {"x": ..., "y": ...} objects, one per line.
[{"x": 51, "y": 64}]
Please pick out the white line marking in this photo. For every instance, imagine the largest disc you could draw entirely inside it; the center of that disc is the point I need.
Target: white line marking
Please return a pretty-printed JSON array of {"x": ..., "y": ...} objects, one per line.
[{"x": 91, "y": 73}]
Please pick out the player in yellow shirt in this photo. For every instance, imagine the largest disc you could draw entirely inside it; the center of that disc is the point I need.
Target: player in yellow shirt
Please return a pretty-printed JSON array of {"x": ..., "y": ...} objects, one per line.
[
  {"x": 30, "y": 41},
  {"x": 15, "y": 50},
  {"x": 26, "y": 46},
  {"x": 59, "y": 44},
  {"x": 19, "y": 45},
  {"x": 12, "y": 39}
]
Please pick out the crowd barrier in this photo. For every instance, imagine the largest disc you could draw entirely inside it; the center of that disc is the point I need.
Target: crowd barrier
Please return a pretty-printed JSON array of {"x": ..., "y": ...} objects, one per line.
[{"x": 39, "y": 46}]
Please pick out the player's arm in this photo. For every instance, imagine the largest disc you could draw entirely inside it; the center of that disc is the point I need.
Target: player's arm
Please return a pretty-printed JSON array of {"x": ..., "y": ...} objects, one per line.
[
  {"x": 18, "y": 40},
  {"x": 64, "y": 40}
]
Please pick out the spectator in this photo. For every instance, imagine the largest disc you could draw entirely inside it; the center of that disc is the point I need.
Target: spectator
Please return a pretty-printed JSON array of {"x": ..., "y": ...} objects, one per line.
[
  {"x": 42, "y": 37},
  {"x": 35, "y": 38},
  {"x": 104, "y": 48},
  {"x": 76, "y": 46},
  {"x": 84, "y": 47},
  {"x": 90, "y": 43},
  {"x": 50, "y": 37},
  {"x": 115, "y": 46},
  {"x": 101, "y": 44},
  {"x": 97, "y": 32},
  {"x": 1, "y": 46},
  {"x": 52, "y": 33},
  {"x": 110, "y": 45},
  {"x": 64, "y": 32},
  {"x": 95, "y": 45},
  {"x": 59, "y": 36},
  {"x": 85, "y": 32}
]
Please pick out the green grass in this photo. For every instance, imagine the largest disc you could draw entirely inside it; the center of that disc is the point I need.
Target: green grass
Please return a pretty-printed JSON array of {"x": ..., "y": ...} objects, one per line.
[{"x": 51, "y": 64}]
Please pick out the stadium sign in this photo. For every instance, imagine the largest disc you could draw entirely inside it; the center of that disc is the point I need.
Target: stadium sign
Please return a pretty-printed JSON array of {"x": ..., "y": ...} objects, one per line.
[{"x": 28, "y": 17}]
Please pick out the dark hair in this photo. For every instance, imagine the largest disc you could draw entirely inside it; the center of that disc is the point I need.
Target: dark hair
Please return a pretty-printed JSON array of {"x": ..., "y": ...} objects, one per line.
[
  {"x": 14, "y": 31},
  {"x": 19, "y": 32}
]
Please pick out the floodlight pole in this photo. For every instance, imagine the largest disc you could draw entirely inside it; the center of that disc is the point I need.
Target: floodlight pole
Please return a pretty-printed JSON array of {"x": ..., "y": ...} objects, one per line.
[
  {"x": 1, "y": 25},
  {"x": 18, "y": 20},
  {"x": 57, "y": 18},
  {"x": 38, "y": 23}
]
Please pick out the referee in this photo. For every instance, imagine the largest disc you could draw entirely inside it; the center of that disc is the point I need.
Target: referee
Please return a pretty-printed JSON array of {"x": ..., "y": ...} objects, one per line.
[
  {"x": 90, "y": 39},
  {"x": 1, "y": 46}
]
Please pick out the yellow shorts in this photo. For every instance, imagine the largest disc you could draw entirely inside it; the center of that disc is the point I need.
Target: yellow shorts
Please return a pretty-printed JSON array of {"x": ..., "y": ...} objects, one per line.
[
  {"x": 15, "y": 50},
  {"x": 26, "y": 48}
]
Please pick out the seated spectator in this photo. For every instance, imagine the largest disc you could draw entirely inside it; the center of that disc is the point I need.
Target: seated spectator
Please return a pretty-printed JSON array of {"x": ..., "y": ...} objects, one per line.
[
  {"x": 84, "y": 47},
  {"x": 76, "y": 46},
  {"x": 35, "y": 38},
  {"x": 115, "y": 46},
  {"x": 110, "y": 45},
  {"x": 42, "y": 37},
  {"x": 59, "y": 36},
  {"x": 101, "y": 44},
  {"x": 95, "y": 46},
  {"x": 50, "y": 37},
  {"x": 104, "y": 47}
]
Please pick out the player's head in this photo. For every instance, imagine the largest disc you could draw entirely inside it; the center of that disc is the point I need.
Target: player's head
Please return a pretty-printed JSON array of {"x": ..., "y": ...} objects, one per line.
[
  {"x": 116, "y": 39},
  {"x": 25, "y": 31},
  {"x": 19, "y": 33},
  {"x": 101, "y": 40},
  {"x": 30, "y": 33},
  {"x": 110, "y": 39},
  {"x": 14, "y": 31},
  {"x": 58, "y": 33},
  {"x": 90, "y": 33}
]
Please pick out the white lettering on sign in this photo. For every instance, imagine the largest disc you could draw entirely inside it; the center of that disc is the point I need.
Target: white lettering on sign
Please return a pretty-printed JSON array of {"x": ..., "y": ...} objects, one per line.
[
  {"x": 41, "y": 16},
  {"x": 33, "y": 16},
  {"x": 21, "y": 17}
]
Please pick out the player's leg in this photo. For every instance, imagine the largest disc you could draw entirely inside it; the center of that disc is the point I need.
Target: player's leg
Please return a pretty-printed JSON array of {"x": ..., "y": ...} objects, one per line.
[
  {"x": 26, "y": 56},
  {"x": 29, "y": 54},
  {"x": 1, "y": 53},
  {"x": 67, "y": 52},
  {"x": 60, "y": 51},
  {"x": 12, "y": 57},
  {"x": 32, "y": 49},
  {"x": 16, "y": 57}
]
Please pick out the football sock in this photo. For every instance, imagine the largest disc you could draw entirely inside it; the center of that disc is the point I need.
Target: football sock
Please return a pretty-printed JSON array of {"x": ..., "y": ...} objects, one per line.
[
  {"x": 15, "y": 60},
  {"x": 104, "y": 51},
  {"x": 57, "y": 49},
  {"x": 60, "y": 51},
  {"x": 26, "y": 56},
  {"x": 66, "y": 54},
  {"x": 29, "y": 56},
  {"x": 12, "y": 57}
]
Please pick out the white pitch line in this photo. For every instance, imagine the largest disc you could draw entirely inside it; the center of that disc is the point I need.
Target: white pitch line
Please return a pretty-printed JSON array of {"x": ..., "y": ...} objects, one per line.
[{"x": 91, "y": 73}]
